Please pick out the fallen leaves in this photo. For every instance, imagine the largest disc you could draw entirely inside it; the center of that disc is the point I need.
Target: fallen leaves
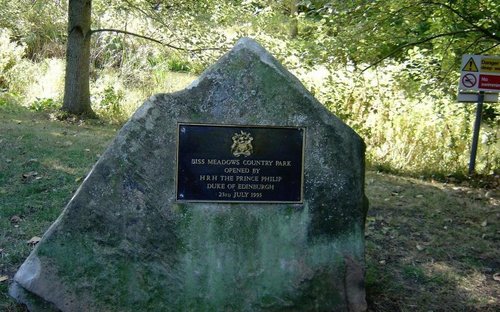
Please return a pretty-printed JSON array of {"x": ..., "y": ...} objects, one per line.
[
  {"x": 4, "y": 278},
  {"x": 492, "y": 194},
  {"x": 34, "y": 240},
  {"x": 496, "y": 277},
  {"x": 30, "y": 176},
  {"x": 31, "y": 161},
  {"x": 64, "y": 144},
  {"x": 15, "y": 219}
]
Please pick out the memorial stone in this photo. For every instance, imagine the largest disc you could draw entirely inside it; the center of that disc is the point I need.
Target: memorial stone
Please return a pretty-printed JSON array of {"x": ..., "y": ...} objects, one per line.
[{"x": 239, "y": 193}]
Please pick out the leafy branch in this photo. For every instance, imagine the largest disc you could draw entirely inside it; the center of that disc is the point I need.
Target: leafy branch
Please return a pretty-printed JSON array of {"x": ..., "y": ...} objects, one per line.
[
  {"x": 150, "y": 39},
  {"x": 415, "y": 43},
  {"x": 466, "y": 19},
  {"x": 153, "y": 17},
  {"x": 490, "y": 48}
]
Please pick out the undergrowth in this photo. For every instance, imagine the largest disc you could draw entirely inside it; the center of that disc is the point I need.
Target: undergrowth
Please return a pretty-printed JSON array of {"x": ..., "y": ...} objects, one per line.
[
  {"x": 429, "y": 245},
  {"x": 407, "y": 117}
]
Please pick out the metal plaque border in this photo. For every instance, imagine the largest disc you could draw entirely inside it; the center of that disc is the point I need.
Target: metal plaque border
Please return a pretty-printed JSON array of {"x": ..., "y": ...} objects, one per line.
[{"x": 180, "y": 123}]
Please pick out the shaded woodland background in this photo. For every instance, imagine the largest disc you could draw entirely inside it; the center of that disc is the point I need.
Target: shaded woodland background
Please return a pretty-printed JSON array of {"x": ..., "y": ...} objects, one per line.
[{"x": 388, "y": 68}]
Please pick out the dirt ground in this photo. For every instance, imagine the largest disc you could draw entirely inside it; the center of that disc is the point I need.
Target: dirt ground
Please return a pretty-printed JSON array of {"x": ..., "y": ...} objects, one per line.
[{"x": 432, "y": 246}]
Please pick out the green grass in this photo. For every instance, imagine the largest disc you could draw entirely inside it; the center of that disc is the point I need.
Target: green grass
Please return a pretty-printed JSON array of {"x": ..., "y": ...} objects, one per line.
[
  {"x": 431, "y": 246},
  {"x": 428, "y": 246},
  {"x": 42, "y": 162}
]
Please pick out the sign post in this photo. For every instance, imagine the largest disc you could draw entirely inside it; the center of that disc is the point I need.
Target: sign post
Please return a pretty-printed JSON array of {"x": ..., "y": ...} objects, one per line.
[
  {"x": 479, "y": 74},
  {"x": 475, "y": 135}
]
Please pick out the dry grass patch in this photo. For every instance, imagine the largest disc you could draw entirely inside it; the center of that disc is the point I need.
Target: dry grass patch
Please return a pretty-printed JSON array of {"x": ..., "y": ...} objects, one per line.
[{"x": 431, "y": 246}]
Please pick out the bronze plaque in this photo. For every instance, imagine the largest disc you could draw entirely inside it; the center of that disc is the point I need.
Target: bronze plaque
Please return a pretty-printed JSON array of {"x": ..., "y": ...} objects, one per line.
[{"x": 221, "y": 163}]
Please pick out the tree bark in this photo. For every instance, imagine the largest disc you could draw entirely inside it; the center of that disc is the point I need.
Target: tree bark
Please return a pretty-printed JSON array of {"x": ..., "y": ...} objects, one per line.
[
  {"x": 76, "y": 85},
  {"x": 294, "y": 27}
]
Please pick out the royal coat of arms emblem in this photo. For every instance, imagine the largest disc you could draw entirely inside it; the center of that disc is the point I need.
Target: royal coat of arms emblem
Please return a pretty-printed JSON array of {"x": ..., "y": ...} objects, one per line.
[{"x": 242, "y": 144}]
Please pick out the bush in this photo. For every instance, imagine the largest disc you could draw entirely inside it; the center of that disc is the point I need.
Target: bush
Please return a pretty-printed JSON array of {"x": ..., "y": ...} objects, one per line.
[
  {"x": 37, "y": 80},
  {"x": 40, "y": 25},
  {"x": 11, "y": 54},
  {"x": 407, "y": 126},
  {"x": 177, "y": 64},
  {"x": 45, "y": 105},
  {"x": 109, "y": 106}
]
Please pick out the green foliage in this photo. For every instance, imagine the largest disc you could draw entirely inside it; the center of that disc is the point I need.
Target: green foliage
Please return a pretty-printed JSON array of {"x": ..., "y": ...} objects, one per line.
[
  {"x": 11, "y": 54},
  {"x": 44, "y": 105},
  {"x": 403, "y": 107},
  {"x": 39, "y": 25},
  {"x": 8, "y": 100},
  {"x": 408, "y": 126},
  {"x": 30, "y": 81},
  {"x": 109, "y": 106},
  {"x": 414, "y": 273},
  {"x": 176, "y": 64}
]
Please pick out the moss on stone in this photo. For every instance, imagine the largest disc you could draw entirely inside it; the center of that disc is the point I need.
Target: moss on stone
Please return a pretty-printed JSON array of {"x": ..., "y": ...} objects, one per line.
[{"x": 125, "y": 244}]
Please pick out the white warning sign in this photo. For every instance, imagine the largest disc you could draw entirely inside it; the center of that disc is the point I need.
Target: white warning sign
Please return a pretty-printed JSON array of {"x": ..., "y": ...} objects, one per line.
[{"x": 480, "y": 73}]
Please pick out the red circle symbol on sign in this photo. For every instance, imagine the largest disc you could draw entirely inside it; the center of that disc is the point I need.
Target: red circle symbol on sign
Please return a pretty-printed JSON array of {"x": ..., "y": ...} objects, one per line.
[{"x": 469, "y": 80}]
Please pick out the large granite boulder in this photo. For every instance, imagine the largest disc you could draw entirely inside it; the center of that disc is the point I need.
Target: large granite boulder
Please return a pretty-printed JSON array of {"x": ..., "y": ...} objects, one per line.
[{"x": 125, "y": 242}]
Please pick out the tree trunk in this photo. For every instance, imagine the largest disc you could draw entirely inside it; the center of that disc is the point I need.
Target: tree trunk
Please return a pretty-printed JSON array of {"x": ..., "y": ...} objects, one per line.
[
  {"x": 76, "y": 84},
  {"x": 294, "y": 27}
]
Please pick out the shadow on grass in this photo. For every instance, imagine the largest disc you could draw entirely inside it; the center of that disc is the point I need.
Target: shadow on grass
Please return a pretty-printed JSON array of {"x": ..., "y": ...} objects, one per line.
[
  {"x": 42, "y": 162},
  {"x": 431, "y": 246}
]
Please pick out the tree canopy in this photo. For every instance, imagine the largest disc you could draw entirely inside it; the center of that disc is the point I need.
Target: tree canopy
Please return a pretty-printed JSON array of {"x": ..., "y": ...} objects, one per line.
[{"x": 378, "y": 64}]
